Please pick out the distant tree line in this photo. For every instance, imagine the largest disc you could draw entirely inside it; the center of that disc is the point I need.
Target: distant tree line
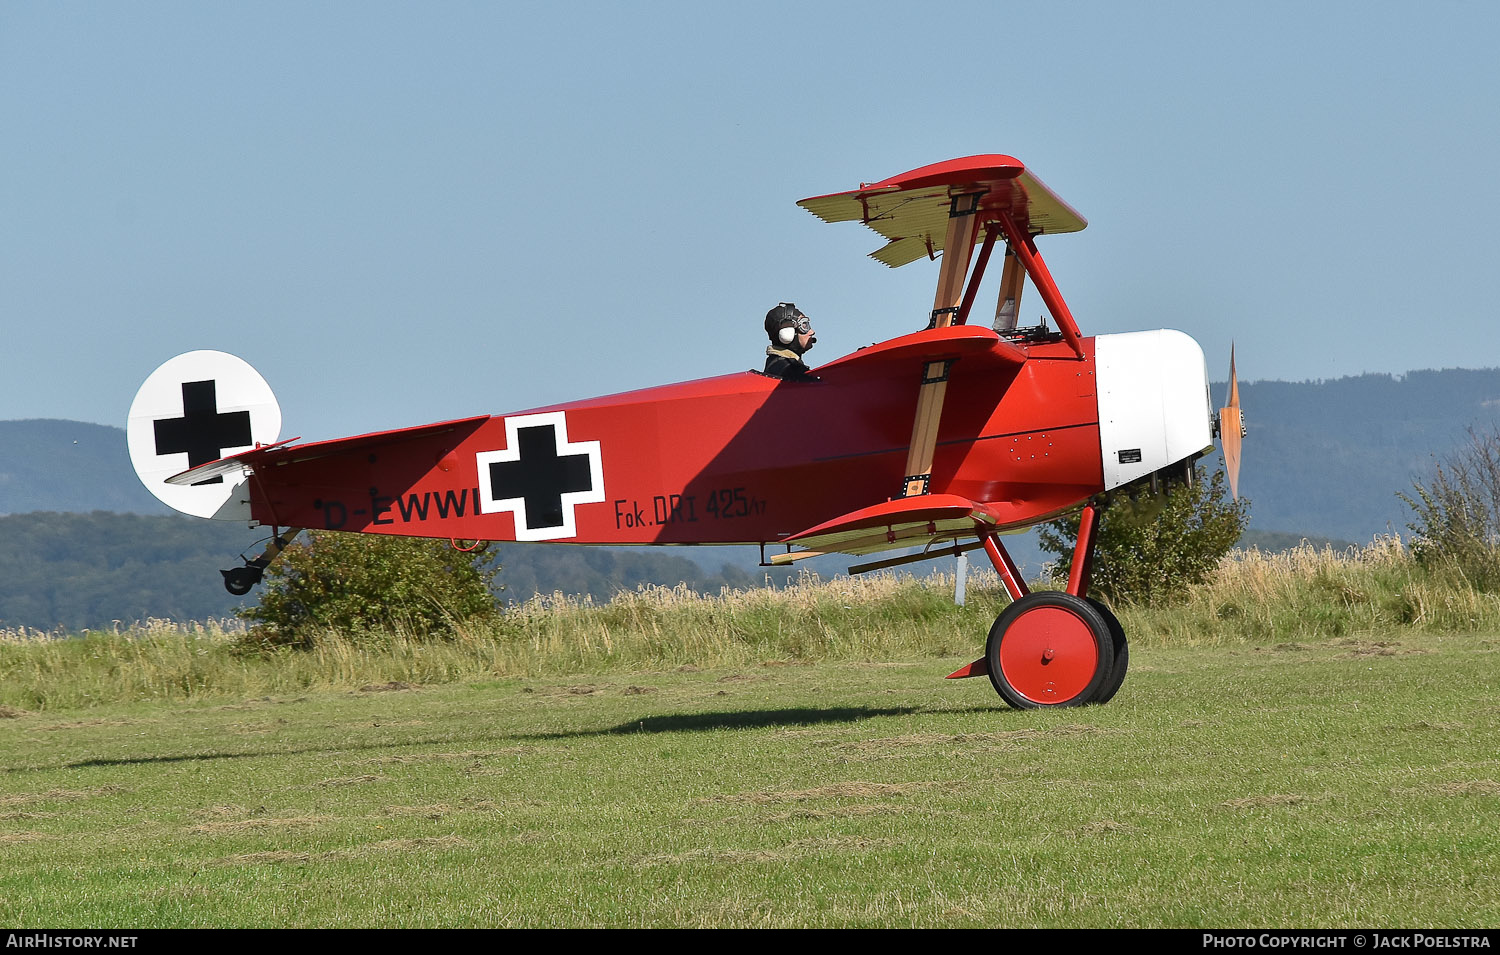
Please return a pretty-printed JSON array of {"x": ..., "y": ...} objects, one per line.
[
  {"x": 79, "y": 571},
  {"x": 86, "y": 571}
]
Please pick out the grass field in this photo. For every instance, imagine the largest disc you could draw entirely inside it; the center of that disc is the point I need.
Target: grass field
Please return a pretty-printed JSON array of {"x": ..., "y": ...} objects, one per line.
[{"x": 1346, "y": 780}]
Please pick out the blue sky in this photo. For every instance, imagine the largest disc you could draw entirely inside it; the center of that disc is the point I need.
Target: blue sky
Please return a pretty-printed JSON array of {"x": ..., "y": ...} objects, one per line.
[{"x": 401, "y": 213}]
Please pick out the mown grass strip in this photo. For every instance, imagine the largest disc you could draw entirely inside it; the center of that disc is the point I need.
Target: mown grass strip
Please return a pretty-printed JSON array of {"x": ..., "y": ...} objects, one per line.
[{"x": 1336, "y": 782}]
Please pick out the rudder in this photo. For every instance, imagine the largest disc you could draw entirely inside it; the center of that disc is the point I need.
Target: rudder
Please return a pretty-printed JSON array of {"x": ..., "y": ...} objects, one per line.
[{"x": 197, "y": 408}]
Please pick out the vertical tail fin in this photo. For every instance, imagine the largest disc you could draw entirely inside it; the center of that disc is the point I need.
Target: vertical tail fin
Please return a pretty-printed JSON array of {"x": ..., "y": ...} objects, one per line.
[{"x": 197, "y": 408}]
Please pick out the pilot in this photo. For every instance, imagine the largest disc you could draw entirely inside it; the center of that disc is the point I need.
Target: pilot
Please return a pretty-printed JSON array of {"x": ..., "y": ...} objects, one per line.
[{"x": 791, "y": 336}]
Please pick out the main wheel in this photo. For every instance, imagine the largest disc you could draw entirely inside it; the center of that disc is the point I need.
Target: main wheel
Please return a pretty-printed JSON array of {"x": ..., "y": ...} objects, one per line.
[
  {"x": 1050, "y": 649},
  {"x": 1111, "y": 686}
]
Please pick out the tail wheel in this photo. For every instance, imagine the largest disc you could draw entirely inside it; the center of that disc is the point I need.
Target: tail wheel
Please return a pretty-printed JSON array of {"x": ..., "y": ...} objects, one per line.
[
  {"x": 1111, "y": 686},
  {"x": 1050, "y": 649},
  {"x": 240, "y": 580}
]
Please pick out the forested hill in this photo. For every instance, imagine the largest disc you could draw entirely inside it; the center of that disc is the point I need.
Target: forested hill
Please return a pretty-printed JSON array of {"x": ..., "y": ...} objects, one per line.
[
  {"x": 47, "y": 464},
  {"x": 1329, "y": 457},
  {"x": 89, "y": 571}
]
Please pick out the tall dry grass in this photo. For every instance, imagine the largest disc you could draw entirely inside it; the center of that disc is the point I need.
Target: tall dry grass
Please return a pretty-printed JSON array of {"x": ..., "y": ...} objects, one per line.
[
  {"x": 1303, "y": 595},
  {"x": 876, "y": 617},
  {"x": 1309, "y": 593}
]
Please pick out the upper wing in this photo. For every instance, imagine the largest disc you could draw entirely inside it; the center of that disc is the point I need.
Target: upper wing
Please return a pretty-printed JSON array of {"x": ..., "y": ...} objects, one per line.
[{"x": 911, "y": 209}]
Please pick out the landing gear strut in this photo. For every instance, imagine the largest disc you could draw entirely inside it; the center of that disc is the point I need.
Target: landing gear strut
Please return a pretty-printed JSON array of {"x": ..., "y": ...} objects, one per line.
[
  {"x": 1053, "y": 648},
  {"x": 239, "y": 580}
]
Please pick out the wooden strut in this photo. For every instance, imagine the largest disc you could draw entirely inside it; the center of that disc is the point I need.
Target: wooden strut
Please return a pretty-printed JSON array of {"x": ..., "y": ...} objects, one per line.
[
  {"x": 950, "y": 306},
  {"x": 958, "y": 246},
  {"x": 924, "y": 431},
  {"x": 1012, "y": 282}
]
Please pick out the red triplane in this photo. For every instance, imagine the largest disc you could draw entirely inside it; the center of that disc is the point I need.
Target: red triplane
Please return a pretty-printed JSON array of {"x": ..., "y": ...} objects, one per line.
[{"x": 942, "y": 439}]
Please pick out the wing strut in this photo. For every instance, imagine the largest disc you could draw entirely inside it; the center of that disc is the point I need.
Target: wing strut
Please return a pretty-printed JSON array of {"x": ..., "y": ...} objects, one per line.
[{"x": 1024, "y": 247}]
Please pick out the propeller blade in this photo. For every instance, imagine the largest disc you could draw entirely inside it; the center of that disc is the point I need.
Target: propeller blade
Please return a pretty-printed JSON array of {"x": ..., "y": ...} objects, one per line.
[{"x": 1232, "y": 430}]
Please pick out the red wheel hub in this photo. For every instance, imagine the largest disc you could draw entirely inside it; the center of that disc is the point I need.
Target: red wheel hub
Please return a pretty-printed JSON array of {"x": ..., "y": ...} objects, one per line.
[{"x": 1049, "y": 655}]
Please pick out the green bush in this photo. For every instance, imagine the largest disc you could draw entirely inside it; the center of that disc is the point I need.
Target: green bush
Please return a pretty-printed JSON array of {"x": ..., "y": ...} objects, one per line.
[
  {"x": 358, "y": 583},
  {"x": 1151, "y": 550},
  {"x": 1456, "y": 512}
]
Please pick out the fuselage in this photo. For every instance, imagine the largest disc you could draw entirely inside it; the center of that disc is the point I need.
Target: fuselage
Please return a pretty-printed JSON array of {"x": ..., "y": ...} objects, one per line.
[{"x": 740, "y": 458}]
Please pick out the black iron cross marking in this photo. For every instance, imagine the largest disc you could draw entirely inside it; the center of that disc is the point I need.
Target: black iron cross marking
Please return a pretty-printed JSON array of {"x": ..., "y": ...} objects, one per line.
[
  {"x": 202, "y": 431},
  {"x": 540, "y": 476}
]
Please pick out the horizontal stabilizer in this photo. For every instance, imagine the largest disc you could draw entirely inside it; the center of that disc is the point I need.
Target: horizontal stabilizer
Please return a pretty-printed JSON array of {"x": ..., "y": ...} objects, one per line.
[
  {"x": 280, "y": 453},
  {"x": 234, "y": 465}
]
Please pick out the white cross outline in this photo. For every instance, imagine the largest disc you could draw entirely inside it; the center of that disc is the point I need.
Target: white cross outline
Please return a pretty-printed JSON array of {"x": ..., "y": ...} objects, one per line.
[{"x": 512, "y": 452}]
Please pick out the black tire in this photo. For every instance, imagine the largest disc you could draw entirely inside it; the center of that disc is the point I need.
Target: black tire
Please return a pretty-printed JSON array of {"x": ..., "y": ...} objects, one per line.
[
  {"x": 1111, "y": 686},
  {"x": 239, "y": 580},
  {"x": 1050, "y": 649}
]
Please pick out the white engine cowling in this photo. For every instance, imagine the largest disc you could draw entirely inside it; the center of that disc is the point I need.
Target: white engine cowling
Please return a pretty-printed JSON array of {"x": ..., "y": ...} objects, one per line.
[{"x": 1154, "y": 408}]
